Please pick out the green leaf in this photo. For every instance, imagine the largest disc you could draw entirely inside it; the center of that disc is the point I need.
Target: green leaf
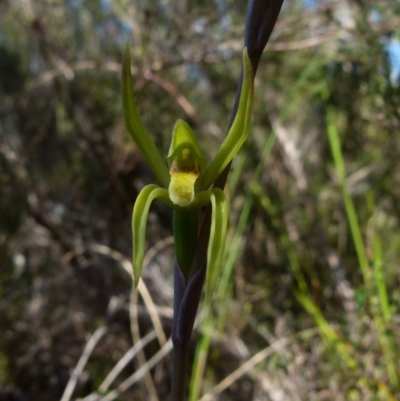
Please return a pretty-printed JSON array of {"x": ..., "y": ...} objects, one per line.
[
  {"x": 240, "y": 128},
  {"x": 216, "y": 245},
  {"x": 136, "y": 128},
  {"x": 139, "y": 220}
]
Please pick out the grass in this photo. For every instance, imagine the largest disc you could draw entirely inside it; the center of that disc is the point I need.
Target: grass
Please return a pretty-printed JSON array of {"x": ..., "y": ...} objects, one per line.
[
  {"x": 342, "y": 346},
  {"x": 373, "y": 274}
]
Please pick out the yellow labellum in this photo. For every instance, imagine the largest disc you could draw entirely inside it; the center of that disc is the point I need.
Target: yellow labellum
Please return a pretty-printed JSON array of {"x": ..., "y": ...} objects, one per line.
[{"x": 181, "y": 188}]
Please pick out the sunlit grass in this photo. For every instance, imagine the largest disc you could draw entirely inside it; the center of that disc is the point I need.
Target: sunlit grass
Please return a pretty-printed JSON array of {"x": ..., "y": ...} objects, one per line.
[
  {"x": 341, "y": 353},
  {"x": 373, "y": 274}
]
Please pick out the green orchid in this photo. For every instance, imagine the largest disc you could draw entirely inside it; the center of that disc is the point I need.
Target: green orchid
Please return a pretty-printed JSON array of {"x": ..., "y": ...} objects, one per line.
[{"x": 186, "y": 180}]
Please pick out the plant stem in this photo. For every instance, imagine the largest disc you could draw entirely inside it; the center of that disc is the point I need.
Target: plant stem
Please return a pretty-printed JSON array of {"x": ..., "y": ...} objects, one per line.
[{"x": 179, "y": 370}]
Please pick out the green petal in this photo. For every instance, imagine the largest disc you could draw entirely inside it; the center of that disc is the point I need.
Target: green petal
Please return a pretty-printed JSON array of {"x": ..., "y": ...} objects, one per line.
[
  {"x": 139, "y": 220},
  {"x": 136, "y": 128},
  {"x": 184, "y": 138},
  {"x": 240, "y": 128},
  {"x": 216, "y": 245}
]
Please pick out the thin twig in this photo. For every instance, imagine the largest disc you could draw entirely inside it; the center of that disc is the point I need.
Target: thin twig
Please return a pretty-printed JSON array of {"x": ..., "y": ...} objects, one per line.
[
  {"x": 162, "y": 353},
  {"x": 125, "y": 360},
  {"x": 142, "y": 289},
  {"x": 165, "y": 350},
  {"x": 243, "y": 369},
  {"x": 253, "y": 361},
  {"x": 127, "y": 265},
  {"x": 91, "y": 344},
  {"x": 141, "y": 357},
  {"x": 173, "y": 91}
]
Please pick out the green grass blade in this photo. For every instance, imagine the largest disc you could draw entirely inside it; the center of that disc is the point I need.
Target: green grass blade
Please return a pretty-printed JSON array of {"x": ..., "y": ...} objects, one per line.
[{"x": 355, "y": 229}]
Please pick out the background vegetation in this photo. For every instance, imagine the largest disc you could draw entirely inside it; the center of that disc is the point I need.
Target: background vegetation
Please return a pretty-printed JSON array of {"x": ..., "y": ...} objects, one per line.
[{"x": 308, "y": 305}]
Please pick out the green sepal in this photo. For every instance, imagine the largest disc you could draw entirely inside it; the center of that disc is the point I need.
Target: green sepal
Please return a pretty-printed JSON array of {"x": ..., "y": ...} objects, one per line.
[
  {"x": 239, "y": 130},
  {"x": 217, "y": 239},
  {"x": 184, "y": 138},
  {"x": 136, "y": 128},
  {"x": 185, "y": 225},
  {"x": 216, "y": 244},
  {"x": 139, "y": 220}
]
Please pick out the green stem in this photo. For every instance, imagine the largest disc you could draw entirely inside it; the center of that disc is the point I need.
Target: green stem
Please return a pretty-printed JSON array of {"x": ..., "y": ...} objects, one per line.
[{"x": 185, "y": 225}]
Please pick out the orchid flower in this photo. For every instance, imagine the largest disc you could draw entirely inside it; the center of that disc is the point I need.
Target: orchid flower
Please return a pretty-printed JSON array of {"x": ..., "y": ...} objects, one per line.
[{"x": 186, "y": 185}]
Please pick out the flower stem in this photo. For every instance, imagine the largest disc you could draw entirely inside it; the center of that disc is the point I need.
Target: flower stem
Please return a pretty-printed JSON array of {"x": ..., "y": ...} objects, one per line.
[
  {"x": 185, "y": 225},
  {"x": 180, "y": 370}
]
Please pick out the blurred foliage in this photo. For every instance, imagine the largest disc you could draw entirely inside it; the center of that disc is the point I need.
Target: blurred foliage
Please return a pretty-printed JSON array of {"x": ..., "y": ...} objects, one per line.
[{"x": 69, "y": 176}]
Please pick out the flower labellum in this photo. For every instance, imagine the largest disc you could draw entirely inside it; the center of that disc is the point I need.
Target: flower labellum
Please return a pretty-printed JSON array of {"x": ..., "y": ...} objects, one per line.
[{"x": 184, "y": 173}]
